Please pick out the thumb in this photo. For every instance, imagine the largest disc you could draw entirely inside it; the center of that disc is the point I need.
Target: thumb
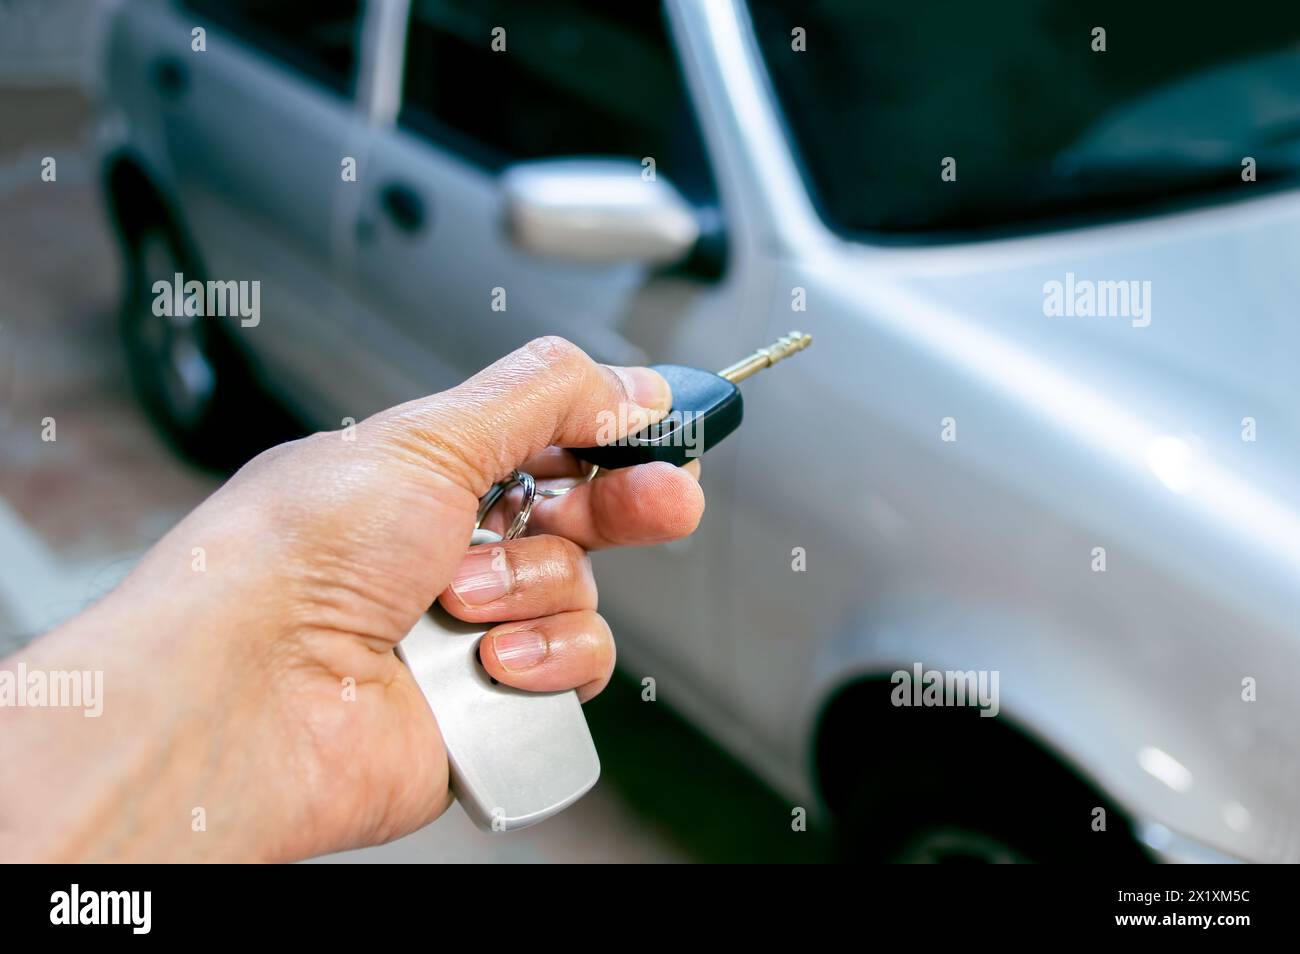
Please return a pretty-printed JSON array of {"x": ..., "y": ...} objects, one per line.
[{"x": 547, "y": 392}]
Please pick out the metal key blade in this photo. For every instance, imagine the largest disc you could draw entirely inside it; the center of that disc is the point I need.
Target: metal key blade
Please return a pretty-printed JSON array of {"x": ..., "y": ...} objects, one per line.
[{"x": 778, "y": 350}]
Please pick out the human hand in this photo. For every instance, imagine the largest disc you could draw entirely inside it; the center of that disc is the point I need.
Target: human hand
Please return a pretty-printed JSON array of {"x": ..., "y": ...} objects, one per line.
[{"x": 258, "y": 684}]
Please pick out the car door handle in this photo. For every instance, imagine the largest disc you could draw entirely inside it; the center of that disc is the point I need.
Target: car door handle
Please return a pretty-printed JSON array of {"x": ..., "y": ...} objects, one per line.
[
  {"x": 170, "y": 77},
  {"x": 403, "y": 206}
]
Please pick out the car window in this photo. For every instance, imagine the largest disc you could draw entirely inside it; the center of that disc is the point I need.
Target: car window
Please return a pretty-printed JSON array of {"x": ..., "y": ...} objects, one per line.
[
  {"x": 575, "y": 78},
  {"x": 316, "y": 37},
  {"x": 1042, "y": 125}
]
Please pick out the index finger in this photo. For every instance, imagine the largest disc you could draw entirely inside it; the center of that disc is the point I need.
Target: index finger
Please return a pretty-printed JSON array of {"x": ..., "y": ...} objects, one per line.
[{"x": 634, "y": 506}]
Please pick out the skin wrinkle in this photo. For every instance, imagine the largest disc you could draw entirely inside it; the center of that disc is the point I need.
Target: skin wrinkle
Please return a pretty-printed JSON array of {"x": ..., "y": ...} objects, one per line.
[
  {"x": 547, "y": 572},
  {"x": 343, "y": 591},
  {"x": 557, "y": 565},
  {"x": 536, "y": 383}
]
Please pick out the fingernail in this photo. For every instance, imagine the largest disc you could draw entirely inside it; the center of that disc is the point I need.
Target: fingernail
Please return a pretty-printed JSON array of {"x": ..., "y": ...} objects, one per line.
[
  {"x": 519, "y": 649},
  {"x": 483, "y": 576},
  {"x": 647, "y": 388}
]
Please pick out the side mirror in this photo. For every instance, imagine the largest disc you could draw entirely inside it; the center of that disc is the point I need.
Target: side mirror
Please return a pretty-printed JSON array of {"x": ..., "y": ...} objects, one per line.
[{"x": 597, "y": 210}]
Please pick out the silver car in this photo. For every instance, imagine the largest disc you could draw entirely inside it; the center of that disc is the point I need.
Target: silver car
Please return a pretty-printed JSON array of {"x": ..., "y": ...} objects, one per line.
[{"x": 1042, "y": 457}]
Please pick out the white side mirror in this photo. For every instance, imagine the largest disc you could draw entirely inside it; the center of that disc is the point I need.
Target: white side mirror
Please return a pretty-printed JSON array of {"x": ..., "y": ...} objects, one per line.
[{"x": 597, "y": 210}]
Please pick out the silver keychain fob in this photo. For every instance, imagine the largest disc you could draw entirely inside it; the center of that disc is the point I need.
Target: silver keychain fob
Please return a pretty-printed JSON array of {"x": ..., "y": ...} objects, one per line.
[{"x": 516, "y": 757}]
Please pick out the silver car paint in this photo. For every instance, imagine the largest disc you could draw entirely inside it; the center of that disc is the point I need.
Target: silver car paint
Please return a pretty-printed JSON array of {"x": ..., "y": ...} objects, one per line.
[{"x": 1072, "y": 433}]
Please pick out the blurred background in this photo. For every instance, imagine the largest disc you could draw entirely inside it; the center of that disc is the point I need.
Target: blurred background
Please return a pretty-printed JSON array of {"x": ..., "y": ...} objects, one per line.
[{"x": 421, "y": 186}]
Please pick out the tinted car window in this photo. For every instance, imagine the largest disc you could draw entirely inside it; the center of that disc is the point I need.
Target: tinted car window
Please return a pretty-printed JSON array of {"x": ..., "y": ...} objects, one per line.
[
  {"x": 576, "y": 78},
  {"x": 1041, "y": 125},
  {"x": 317, "y": 37}
]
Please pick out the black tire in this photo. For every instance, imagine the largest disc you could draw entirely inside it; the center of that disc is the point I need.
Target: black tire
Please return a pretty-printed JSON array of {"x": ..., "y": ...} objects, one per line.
[
  {"x": 949, "y": 786},
  {"x": 190, "y": 377}
]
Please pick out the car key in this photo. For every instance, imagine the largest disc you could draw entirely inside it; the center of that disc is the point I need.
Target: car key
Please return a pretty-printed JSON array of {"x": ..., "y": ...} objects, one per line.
[
  {"x": 519, "y": 757},
  {"x": 706, "y": 408}
]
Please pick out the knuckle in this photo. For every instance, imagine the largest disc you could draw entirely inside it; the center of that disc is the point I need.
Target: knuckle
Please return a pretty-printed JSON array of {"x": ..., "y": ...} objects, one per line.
[
  {"x": 555, "y": 355},
  {"x": 566, "y": 553},
  {"x": 555, "y": 561}
]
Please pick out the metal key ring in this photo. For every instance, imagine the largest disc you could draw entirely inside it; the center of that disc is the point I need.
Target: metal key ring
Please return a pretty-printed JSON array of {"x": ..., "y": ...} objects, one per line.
[
  {"x": 526, "y": 508},
  {"x": 489, "y": 499},
  {"x": 561, "y": 491},
  {"x": 498, "y": 490},
  {"x": 531, "y": 493}
]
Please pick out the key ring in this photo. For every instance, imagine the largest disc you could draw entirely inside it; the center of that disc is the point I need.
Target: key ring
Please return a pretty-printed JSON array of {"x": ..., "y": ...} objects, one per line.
[
  {"x": 561, "y": 491},
  {"x": 531, "y": 493},
  {"x": 498, "y": 490}
]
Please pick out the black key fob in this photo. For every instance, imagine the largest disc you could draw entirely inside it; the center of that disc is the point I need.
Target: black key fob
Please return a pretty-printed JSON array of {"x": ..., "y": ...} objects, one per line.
[{"x": 706, "y": 408}]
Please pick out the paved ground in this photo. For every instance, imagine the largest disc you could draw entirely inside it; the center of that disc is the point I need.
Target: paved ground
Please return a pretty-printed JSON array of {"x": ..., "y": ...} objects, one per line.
[{"x": 76, "y": 513}]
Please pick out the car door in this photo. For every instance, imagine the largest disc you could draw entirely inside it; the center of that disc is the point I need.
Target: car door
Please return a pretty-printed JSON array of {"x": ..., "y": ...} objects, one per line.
[
  {"x": 258, "y": 113},
  {"x": 443, "y": 292},
  {"x": 484, "y": 85}
]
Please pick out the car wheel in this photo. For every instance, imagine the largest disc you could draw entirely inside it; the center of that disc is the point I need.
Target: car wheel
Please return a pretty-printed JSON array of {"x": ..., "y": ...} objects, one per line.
[
  {"x": 980, "y": 807},
  {"x": 944, "y": 785},
  {"x": 955, "y": 845},
  {"x": 189, "y": 376}
]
